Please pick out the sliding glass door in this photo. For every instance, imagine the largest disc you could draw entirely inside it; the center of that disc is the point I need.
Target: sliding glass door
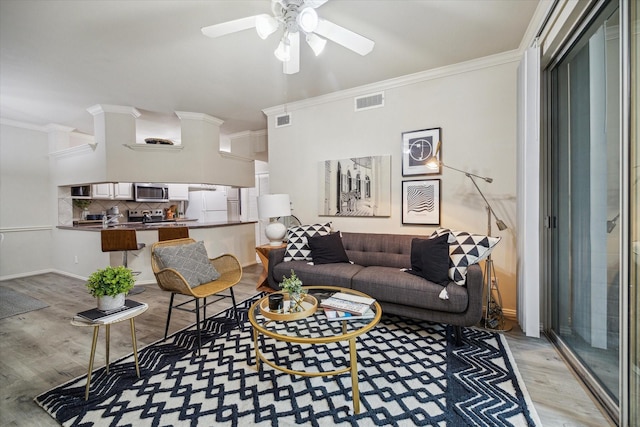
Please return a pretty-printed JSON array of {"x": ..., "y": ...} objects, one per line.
[
  {"x": 585, "y": 187},
  {"x": 634, "y": 210}
]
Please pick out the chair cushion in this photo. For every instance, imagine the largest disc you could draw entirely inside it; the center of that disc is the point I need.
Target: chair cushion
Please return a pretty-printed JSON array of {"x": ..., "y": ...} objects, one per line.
[
  {"x": 297, "y": 240},
  {"x": 190, "y": 260},
  {"x": 327, "y": 249},
  {"x": 467, "y": 249}
]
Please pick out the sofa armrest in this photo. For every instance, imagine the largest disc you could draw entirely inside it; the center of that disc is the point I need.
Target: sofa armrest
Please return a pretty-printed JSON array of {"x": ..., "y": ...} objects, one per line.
[
  {"x": 276, "y": 256},
  {"x": 475, "y": 287}
]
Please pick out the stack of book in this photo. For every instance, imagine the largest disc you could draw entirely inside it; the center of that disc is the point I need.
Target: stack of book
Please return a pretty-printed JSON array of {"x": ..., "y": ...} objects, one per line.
[
  {"x": 343, "y": 306},
  {"x": 102, "y": 317}
]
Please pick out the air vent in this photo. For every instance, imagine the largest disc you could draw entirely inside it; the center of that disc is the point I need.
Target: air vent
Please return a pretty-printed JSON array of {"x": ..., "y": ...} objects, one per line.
[
  {"x": 367, "y": 102},
  {"x": 283, "y": 120}
]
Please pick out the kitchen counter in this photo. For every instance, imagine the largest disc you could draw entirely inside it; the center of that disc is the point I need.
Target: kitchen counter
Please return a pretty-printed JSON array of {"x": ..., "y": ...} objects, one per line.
[
  {"x": 80, "y": 246},
  {"x": 139, "y": 226}
]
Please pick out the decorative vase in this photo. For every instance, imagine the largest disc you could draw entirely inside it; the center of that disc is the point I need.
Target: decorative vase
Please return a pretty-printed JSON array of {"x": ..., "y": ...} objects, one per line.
[{"x": 106, "y": 302}]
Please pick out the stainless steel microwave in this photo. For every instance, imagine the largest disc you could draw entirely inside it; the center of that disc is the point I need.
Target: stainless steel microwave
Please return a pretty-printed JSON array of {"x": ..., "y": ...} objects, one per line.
[{"x": 150, "y": 192}]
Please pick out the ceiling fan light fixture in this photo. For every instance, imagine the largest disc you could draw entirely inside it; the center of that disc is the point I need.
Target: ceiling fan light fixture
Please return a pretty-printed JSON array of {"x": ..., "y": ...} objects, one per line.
[
  {"x": 316, "y": 43},
  {"x": 266, "y": 25},
  {"x": 308, "y": 19},
  {"x": 283, "y": 51}
]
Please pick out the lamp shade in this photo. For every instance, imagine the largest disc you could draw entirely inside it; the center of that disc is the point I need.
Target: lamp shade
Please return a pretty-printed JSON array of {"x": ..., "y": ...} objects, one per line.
[{"x": 273, "y": 206}]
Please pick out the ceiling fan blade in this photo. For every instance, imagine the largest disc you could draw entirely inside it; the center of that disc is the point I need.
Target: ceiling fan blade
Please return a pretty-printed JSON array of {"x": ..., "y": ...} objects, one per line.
[
  {"x": 344, "y": 37},
  {"x": 229, "y": 27},
  {"x": 292, "y": 66}
]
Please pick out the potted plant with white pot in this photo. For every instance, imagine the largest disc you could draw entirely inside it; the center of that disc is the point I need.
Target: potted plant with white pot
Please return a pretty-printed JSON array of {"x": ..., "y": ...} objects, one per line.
[{"x": 110, "y": 285}]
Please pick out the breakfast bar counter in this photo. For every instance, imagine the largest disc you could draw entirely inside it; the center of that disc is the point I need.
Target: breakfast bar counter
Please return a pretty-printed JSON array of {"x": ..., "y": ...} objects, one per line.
[
  {"x": 140, "y": 226},
  {"x": 80, "y": 246}
]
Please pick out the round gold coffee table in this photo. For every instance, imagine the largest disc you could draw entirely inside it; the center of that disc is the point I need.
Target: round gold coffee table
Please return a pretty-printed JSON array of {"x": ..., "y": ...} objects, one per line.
[{"x": 315, "y": 329}]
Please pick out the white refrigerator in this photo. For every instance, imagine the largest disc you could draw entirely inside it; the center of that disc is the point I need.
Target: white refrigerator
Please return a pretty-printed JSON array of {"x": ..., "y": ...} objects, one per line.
[{"x": 207, "y": 206}]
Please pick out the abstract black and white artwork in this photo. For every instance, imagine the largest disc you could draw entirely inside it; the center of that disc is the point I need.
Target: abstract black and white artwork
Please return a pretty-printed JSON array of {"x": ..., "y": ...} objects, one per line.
[
  {"x": 358, "y": 186},
  {"x": 418, "y": 147},
  {"x": 421, "y": 202}
]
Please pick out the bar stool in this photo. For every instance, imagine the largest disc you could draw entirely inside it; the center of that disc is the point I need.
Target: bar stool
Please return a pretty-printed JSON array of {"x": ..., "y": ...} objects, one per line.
[
  {"x": 121, "y": 239},
  {"x": 172, "y": 233}
]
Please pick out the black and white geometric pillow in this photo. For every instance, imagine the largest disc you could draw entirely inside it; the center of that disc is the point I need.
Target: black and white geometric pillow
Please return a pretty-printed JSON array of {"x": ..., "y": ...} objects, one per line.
[
  {"x": 298, "y": 246},
  {"x": 467, "y": 249}
]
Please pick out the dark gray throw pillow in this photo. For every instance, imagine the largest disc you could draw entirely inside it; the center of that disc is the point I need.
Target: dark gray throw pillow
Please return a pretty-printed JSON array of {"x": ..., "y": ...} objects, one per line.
[
  {"x": 190, "y": 260},
  {"x": 430, "y": 259},
  {"x": 327, "y": 249}
]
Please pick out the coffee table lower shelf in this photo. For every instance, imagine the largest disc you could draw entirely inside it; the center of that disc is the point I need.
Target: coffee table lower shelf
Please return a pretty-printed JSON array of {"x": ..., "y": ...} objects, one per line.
[{"x": 353, "y": 368}]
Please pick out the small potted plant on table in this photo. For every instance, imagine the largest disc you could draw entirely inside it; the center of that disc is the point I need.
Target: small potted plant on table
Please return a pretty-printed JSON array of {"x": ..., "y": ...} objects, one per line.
[
  {"x": 110, "y": 285},
  {"x": 293, "y": 286}
]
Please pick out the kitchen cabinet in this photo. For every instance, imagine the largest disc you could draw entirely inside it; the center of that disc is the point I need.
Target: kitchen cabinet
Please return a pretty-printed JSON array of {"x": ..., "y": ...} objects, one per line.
[
  {"x": 178, "y": 192},
  {"x": 112, "y": 191},
  {"x": 102, "y": 191},
  {"x": 123, "y": 191}
]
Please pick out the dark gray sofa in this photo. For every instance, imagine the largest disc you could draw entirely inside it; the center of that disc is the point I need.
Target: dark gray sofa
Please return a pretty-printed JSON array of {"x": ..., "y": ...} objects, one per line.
[{"x": 376, "y": 270}]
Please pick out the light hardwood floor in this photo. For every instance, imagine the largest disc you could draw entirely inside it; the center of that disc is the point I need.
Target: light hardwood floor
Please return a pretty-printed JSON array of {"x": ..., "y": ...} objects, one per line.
[{"x": 40, "y": 350}]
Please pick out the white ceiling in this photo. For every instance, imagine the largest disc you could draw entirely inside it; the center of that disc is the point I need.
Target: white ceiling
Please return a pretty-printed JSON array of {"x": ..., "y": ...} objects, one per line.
[{"x": 58, "y": 58}]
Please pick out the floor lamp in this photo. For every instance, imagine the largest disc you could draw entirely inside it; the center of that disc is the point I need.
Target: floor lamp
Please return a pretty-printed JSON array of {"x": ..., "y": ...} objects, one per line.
[{"x": 493, "y": 315}]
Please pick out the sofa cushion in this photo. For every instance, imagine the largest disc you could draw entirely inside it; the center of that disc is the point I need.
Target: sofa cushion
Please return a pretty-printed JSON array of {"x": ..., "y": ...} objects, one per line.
[
  {"x": 430, "y": 259},
  {"x": 388, "y": 250},
  {"x": 392, "y": 285},
  {"x": 190, "y": 260},
  {"x": 327, "y": 249},
  {"x": 317, "y": 275},
  {"x": 297, "y": 240},
  {"x": 468, "y": 249}
]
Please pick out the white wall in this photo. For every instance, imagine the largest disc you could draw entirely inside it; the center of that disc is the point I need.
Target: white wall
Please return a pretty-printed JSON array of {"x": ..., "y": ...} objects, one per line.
[
  {"x": 25, "y": 202},
  {"x": 475, "y": 104}
]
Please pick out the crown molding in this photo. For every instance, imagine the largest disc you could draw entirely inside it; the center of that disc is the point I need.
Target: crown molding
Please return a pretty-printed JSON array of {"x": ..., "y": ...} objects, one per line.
[
  {"x": 74, "y": 151},
  {"x": 186, "y": 115},
  {"x": 245, "y": 133},
  {"x": 22, "y": 125},
  {"x": 422, "y": 76},
  {"x": 94, "y": 110},
  {"x": 54, "y": 127}
]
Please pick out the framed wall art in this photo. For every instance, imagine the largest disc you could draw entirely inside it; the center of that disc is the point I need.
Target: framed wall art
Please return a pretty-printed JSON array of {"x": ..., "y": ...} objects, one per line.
[
  {"x": 421, "y": 202},
  {"x": 418, "y": 147},
  {"x": 357, "y": 186}
]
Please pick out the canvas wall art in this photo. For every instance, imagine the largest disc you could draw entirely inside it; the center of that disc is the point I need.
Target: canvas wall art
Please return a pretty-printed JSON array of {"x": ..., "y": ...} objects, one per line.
[{"x": 358, "y": 186}]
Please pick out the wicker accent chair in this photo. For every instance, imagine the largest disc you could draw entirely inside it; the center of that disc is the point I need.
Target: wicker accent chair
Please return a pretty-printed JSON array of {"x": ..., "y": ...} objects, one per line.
[{"x": 172, "y": 281}]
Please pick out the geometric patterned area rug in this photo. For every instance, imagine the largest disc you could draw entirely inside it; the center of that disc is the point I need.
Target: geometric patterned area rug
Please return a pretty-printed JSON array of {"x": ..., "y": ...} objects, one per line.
[{"x": 410, "y": 373}]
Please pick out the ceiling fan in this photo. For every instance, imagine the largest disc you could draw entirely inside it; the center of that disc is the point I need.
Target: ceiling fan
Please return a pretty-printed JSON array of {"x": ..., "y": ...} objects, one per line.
[{"x": 294, "y": 17}]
